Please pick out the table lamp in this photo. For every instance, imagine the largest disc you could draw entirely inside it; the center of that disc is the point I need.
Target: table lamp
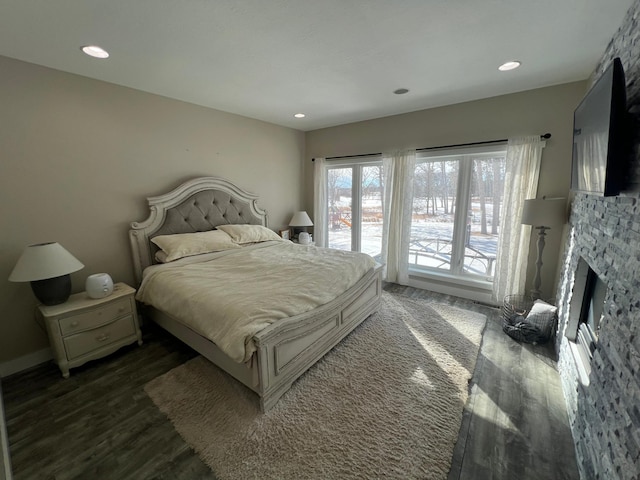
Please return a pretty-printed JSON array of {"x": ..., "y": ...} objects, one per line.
[
  {"x": 47, "y": 266},
  {"x": 542, "y": 213},
  {"x": 300, "y": 221}
]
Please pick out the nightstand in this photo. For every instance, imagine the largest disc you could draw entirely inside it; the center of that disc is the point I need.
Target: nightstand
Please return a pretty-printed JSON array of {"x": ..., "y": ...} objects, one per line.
[{"x": 84, "y": 328}]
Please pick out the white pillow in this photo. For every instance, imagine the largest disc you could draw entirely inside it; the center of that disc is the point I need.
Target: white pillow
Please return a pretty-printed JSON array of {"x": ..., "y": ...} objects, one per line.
[
  {"x": 542, "y": 307},
  {"x": 543, "y": 316},
  {"x": 188, "y": 244},
  {"x": 161, "y": 256},
  {"x": 249, "y": 233}
]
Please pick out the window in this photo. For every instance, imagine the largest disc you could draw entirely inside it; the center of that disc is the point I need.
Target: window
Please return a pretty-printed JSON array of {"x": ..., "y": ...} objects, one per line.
[
  {"x": 456, "y": 210},
  {"x": 354, "y": 210},
  {"x": 455, "y": 213}
]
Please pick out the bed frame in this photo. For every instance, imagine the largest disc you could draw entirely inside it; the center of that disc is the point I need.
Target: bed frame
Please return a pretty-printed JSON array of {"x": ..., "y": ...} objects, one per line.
[{"x": 285, "y": 349}]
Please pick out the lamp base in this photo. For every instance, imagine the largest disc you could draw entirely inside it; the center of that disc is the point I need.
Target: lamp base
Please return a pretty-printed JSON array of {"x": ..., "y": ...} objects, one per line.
[
  {"x": 52, "y": 291},
  {"x": 296, "y": 231},
  {"x": 536, "y": 292}
]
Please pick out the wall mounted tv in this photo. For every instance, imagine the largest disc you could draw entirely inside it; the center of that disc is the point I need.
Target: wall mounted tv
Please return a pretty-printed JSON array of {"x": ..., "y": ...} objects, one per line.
[{"x": 600, "y": 136}]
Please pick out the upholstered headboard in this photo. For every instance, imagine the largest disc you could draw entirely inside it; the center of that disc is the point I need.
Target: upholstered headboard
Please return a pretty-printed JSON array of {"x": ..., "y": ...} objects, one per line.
[{"x": 197, "y": 205}]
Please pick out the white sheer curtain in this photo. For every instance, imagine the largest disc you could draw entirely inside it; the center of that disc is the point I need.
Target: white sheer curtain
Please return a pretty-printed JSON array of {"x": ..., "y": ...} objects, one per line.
[
  {"x": 320, "y": 202},
  {"x": 521, "y": 182},
  {"x": 398, "y": 169}
]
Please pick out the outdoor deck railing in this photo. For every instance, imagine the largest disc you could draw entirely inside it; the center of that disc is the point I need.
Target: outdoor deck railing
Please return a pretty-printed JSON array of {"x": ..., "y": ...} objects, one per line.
[{"x": 438, "y": 250}]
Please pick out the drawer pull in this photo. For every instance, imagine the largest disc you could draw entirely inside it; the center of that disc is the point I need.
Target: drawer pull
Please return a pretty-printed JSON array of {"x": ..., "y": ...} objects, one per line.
[
  {"x": 103, "y": 337},
  {"x": 75, "y": 323}
]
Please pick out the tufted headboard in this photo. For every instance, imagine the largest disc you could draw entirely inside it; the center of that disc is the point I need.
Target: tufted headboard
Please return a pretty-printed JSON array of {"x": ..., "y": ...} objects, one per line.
[{"x": 198, "y": 205}]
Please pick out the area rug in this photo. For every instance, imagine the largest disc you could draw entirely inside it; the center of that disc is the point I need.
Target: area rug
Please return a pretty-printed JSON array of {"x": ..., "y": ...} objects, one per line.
[{"x": 387, "y": 402}]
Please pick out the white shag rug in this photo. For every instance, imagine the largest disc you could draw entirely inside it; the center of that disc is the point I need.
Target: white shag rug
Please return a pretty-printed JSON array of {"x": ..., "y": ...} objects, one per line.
[{"x": 387, "y": 402}]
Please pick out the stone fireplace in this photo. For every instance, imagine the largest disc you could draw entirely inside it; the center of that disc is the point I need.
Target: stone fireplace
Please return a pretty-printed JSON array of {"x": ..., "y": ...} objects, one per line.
[
  {"x": 601, "y": 382},
  {"x": 599, "y": 363},
  {"x": 584, "y": 317}
]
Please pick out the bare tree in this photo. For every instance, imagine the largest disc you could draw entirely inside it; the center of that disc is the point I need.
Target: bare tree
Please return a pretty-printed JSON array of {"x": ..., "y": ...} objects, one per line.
[
  {"x": 445, "y": 186},
  {"x": 370, "y": 180},
  {"x": 382, "y": 186},
  {"x": 480, "y": 183},
  {"x": 497, "y": 164},
  {"x": 337, "y": 179},
  {"x": 421, "y": 189},
  {"x": 431, "y": 196},
  {"x": 332, "y": 185},
  {"x": 372, "y": 186}
]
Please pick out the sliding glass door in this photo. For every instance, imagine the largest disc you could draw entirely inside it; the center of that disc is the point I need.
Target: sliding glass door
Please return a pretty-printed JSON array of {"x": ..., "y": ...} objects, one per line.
[{"x": 354, "y": 206}]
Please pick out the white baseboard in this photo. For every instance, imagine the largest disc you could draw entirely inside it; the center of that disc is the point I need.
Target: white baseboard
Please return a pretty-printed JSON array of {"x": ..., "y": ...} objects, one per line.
[
  {"x": 27, "y": 361},
  {"x": 470, "y": 292}
]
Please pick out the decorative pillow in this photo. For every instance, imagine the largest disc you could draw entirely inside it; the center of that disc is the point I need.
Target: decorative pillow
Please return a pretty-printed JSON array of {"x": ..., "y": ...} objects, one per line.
[
  {"x": 161, "y": 256},
  {"x": 543, "y": 316},
  {"x": 249, "y": 233},
  {"x": 188, "y": 244},
  {"x": 542, "y": 307}
]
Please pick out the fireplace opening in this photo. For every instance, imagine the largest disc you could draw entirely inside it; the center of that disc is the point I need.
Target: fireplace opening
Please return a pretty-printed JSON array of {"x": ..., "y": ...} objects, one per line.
[{"x": 585, "y": 315}]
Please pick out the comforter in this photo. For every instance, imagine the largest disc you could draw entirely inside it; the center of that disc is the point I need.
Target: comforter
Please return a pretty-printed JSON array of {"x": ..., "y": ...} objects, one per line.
[{"x": 229, "y": 296}]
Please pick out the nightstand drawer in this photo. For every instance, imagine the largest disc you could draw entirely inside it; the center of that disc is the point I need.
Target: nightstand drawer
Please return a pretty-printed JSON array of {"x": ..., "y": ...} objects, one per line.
[
  {"x": 95, "y": 317},
  {"x": 85, "y": 342}
]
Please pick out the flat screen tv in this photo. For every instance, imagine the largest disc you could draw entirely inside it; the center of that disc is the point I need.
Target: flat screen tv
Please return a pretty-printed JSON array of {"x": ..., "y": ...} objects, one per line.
[{"x": 600, "y": 136}]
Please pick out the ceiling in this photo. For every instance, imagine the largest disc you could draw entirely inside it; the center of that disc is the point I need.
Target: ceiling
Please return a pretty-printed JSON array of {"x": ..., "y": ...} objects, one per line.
[{"x": 337, "y": 61}]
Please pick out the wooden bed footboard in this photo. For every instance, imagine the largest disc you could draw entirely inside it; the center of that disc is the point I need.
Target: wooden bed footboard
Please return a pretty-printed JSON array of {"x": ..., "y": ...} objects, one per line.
[{"x": 289, "y": 348}]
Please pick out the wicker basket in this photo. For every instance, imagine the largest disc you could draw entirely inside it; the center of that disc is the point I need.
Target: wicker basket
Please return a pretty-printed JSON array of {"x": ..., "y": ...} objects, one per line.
[
  {"x": 514, "y": 305},
  {"x": 518, "y": 325}
]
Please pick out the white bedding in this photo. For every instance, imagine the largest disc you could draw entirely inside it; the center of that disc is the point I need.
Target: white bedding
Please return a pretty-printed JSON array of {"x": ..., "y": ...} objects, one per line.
[{"x": 229, "y": 296}]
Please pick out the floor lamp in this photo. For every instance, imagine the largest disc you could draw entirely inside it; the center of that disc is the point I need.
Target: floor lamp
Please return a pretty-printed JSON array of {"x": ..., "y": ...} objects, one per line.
[{"x": 542, "y": 213}]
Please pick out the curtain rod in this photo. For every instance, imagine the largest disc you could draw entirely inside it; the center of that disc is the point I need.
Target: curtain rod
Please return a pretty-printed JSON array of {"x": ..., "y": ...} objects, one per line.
[{"x": 544, "y": 136}]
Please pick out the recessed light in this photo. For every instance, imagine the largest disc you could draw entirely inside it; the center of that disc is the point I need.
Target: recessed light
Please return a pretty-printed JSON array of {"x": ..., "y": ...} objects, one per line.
[
  {"x": 299, "y": 115},
  {"x": 401, "y": 91},
  {"x": 95, "y": 51},
  {"x": 509, "y": 66}
]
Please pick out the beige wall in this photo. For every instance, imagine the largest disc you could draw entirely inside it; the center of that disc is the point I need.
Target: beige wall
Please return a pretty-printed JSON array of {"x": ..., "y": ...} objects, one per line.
[
  {"x": 532, "y": 112},
  {"x": 78, "y": 157}
]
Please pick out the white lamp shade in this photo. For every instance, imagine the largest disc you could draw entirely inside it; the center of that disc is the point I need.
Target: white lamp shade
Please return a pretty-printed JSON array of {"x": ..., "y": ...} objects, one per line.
[
  {"x": 43, "y": 261},
  {"x": 300, "y": 219},
  {"x": 544, "y": 212}
]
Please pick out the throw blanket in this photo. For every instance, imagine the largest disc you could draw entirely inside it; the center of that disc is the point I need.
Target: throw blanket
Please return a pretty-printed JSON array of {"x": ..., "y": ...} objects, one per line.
[{"x": 229, "y": 296}]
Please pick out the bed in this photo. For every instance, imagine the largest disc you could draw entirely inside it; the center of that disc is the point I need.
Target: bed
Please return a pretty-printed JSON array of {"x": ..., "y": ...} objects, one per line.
[{"x": 282, "y": 348}]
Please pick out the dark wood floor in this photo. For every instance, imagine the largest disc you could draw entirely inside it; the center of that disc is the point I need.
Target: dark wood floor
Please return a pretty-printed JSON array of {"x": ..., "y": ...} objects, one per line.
[
  {"x": 515, "y": 424},
  {"x": 99, "y": 424}
]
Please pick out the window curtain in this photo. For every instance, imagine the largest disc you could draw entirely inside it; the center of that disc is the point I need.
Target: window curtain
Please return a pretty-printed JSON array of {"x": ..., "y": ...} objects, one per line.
[
  {"x": 320, "y": 202},
  {"x": 521, "y": 182},
  {"x": 398, "y": 171}
]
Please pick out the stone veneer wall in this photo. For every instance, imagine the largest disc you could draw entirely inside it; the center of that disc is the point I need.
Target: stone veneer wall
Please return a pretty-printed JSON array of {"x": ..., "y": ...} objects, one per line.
[{"x": 605, "y": 415}]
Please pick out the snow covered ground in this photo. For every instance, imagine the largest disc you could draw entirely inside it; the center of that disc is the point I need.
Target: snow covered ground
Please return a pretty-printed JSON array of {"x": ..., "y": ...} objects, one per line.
[
  {"x": 430, "y": 245},
  {"x": 431, "y": 235}
]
